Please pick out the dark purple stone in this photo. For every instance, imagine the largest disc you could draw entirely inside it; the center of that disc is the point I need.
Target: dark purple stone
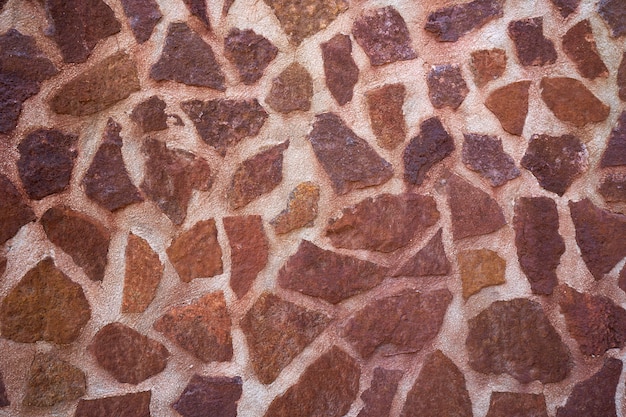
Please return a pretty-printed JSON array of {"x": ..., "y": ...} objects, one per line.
[
  {"x": 446, "y": 86},
  {"x": 450, "y": 23},
  {"x": 340, "y": 69},
  {"x": 566, "y": 7},
  {"x": 210, "y": 396},
  {"x": 250, "y": 53},
  {"x": 614, "y": 14},
  {"x": 150, "y": 115},
  {"x": 198, "y": 8},
  {"x": 143, "y": 16},
  {"x": 531, "y": 46},
  {"x": 615, "y": 153},
  {"x": 485, "y": 155},
  {"x": 14, "y": 212},
  {"x": 425, "y": 150}
]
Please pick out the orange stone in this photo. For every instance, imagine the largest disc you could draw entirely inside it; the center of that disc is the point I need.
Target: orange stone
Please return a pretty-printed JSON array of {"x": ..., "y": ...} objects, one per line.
[
  {"x": 143, "y": 275},
  {"x": 292, "y": 90},
  {"x": 301, "y": 209},
  {"x": 386, "y": 115},
  {"x": 572, "y": 102},
  {"x": 510, "y": 105},
  {"x": 53, "y": 381},
  {"x": 196, "y": 253},
  {"x": 480, "y": 269}
]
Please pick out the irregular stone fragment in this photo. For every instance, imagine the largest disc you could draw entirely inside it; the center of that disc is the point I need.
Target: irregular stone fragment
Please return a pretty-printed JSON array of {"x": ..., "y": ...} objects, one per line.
[
  {"x": 340, "y": 69},
  {"x": 14, "y": 212},
  {"x": 516, "y": 337},
  {"x": 485, "y": 155},
  {"x": 301, "y": 209},
  {"x": 3, "y": 264},
  {"x": 250, "y": 53},
  {"x": 277, "y": 331},
  {"x": 532, "y": 48},
  {"x": 326, "y": 388},
  {"x": 425, "y": 150},
  {"x": 621, "y": 281},
  {"x": 223, "y": 123},
  {"x": 595, "y": 397},
  {"x": 473, "y": 211},
  {"x": 566, "y": 7},
  {"x": 450, "y": 23},
  {"x": 196, "y": 253},
  {"x": 615, "y": 152},
  {"x": 384, "y": 223},
  {"x": 378, "y": 397},
  {"x": 328, "y": 275},
  {"x": 446, "y": 86},
  {"x": 621, "y": 78},
  {"x": 170, "y": 176},
  {"x": 257, "y": 176},
  {"x": 430, "y": 260},
  {"x": 510, "y": 105},
  {"x": 150, "y": 115},
  {"x": 143, "y": 16},
  {"x": 439, "y": 390},
  {"x": 348, "y": 160},
  {"x": 127, "y": 355},
  {"x": 556, "y": 161},
  {"x": 386, "y": 115},
  {"x": 613, "y": 188},
  {"x": 143, "y": 274},
  {"x": 572, "y": 102},
  {"x": 98, "y": 88},
  {"x": 4, "y": 398},
  {"x": 614, "y": 13},
  {"x": 506, "y": 404},
  {"x": 52, "y": 381},
  {"x": 198, "y": 9},
  {"x": 601, "y": 236},
  {"x": 487, "y": 65},
  {"x": 292, "y": 90},
  {"x": 580, "y": 46},
  {"x": 136, "y": 404},
  {"x": 249, "y": 250},
  {"x": 539, "y": 245},
  {"x": 480, "y": 269},
  {"x": 401, "y": 323},
  {"x": 210, "y": 396},
  {"x": 187, "y": 59},
  {"x": 44, "y": 305}
]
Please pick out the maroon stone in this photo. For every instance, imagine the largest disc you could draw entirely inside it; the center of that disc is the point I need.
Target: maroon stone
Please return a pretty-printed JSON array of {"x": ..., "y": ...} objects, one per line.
[
  {"x": 450, "y": 23},
  {"x": 446, "y": 86},
  {"x": 196, "y": 252},
  {"x": 580, "y": 46},
  {"x": 507, "y": 404},
  {"x": 572, "y": 102},
  {"x": 384, "y": 36},
  {"x": 615, "y": 152},
  {"x": 613, "y": 12},
  {"x": 566, "y": 7},
  {"x": 621, "y": 78},
  {"x": 3, "y": 264},
  {"x": 430, "y": 260},
  {"x": 350, "y": 162},
  {"x": 613, "y": 188},
  {"x": 487, "y": 65},
  {"x": 386, "y": 115},
  {"x": 136, "y": 404},
  {"x": 328, "y": 275},
  {"x": 378, "y": 397},
  {"x": 198, "y": 9},
  {"x": 510, "y": 105},
  {"x": 14, "y": 212},
  {"x": 214, "y": 396},
  {"x": 292, "y": 90},
  {"x": 142, "y": 277},
  {"x": 425, "y": 150},
  {"x": 150, "y": 115},
  {"x": 4, "y": 398},
  {"x": 250, "y": 53},
  {"x": 531, "y": 46},
  {"x": 621, "y": 281},
  {"x": 340, "y": 69},
  {"x": 485, "y": 155},
  {"x": 52, "y": 381},
  {"x": 143, "y": 16}
]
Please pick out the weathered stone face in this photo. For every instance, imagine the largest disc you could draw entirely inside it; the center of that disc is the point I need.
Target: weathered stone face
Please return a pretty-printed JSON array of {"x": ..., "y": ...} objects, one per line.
[
  {"x": 504, "y": 404},
  {"x": 430, "y": 260},
  {"x": 621, "y": 78},
  {"x": 566, "y": 7},
  {"x": 613, "y": 11},
  {"x": 378, "y": 397},
  {"x": 386, "y": 115},
  {"x": 580, "y": 46},
  {"x": 52, "y": 381},
  {"x": 150, "y": 115},
  {"x": 446, "y": 86},
  {"x": 4, "y": 398},
  {"x": 615, "y": 152},
  {"x": 532, "y": 48},
  {"x": 143, "y": 274},
  {"x": 292, "y": 90},
  {"x": 301, "y": 209},
  {"x": 143, "y": 16},
  {"x": 249, "y": 52},
  {"x": 214, "y": 396},
  {"x": 572, "y": 102},
  {"x": 128, "y": 405},
  {"x": 613, "y": 188},
  {"x": 14, "y": 212},
  {"x": 485, "y": 155},
  {"x": 340, "y": 69},
  {"x": 510, "y": 105},
  {"x": 450, "y": 23},
  {"x": 425, "y": 150},
  {"x": 487, "y": 65},
  {"x": 198, "y": 9},
  {"x": 480, "y": 269}
]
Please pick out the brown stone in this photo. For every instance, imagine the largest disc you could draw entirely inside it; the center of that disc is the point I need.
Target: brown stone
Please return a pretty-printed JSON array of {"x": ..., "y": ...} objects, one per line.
[
  {"x": 516, "y": 337},
  {"x": 601, "y": 236},
  {"x": 143, "y": 16},
  {"x": 613, "y": 188},
  {"x": 572, "y": 102},
  {"x": 621, "y": 281},
  {"x": 485, "y": 155},
  {"x": 196, "y": 253},
  {"x": 14, "y": 212},
  {"x": 250, "y": 53},
  {"x": 580, "y": 46},
  {"x": 214, "y": 396},
  {"x": 150, "y": 115},
  {"x": 487, "y": 65},
  {"x": 301, "y": 209},
  {"x": 326, "y": 388},
  {"x": 198, "y": 9},
  {"x": 506, "y": 404},
  {"x": 53, "y": 381},
  {"x": 615, "y": 152},
  {"x": 425, "y": 150},
  {"x": 350, "y": 162},
  {"x": 532, "y": 48},
  {"x": 539, "y": 245},
  {"x": 446, "y": 86},
  {"x": 450, "y": 23},
  {"x": 127, "y": 355},
  {"x": 292, "y": 90},
  {"x": 44, "y": 305},
  {"x": 595, "y": 397},
  {"x": 386, "y": 115},
  {"x": 187, "y": 59},
  {"x": 136, "y": 404},
  {"x": 480, "y": 269},
  {"x": 440, "y": 390},
  {"x": 621, "y": 78},
  {"x": 510, "y": 105},
  {"x": 328, "y": 275},
  {"x": 613, "y": 12},
  {"x": 556, "y": 161},
  {"x": 340, "y": 70},
  {"x": 277, "y": 331},
  {"x": 430, "y": 260},
  {"x": 249, "y": 250},
  {"x": 143, "y": 274},
  {"x": 566, "y": 7},
  {"x": 378, "y": 397},
  {"x": 4, "y": 398},
  {"x": 3, "y": 264},
  {"x": 384, "y": 223},
  {"x": 98, "y": 88}
]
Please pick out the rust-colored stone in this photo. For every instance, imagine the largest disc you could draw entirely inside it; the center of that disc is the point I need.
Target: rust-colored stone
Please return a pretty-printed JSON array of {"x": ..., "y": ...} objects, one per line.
[
  {"x": 292, "y": 90},
  {"x": 198, "y": 9},
  {"x": 580, "y": 46},
  {"x": 510, "y": 105},
  {"x": 621, "y": 78},
  {"x": 143, "y": 274},
  {"x": 430, "y": 260},
  {"x": 566, "y": 7},
  {"x": 378, "y": 397},
  {"x": 52, "y": 381},
  {"x": 480, "y": 269},
  {"x": 507, "y": 404},
  {"x": 4, "y": 398},
  {"x": 14, "y": 212},
  {"x": 572, "y": 102},
  {"x": 386, "y": 115},
  {"x": 485, "y": 155},
  {"x": 450, "y": 23},
  {"x": 143, "y": 16},
  {"x": 425, "y": 150},
  {"x": 613, "y": 188},
  {"x": 136, "y": 404},
  {"x": 487, "y": 65},
  {"x": 446, "y": 86},
  {"x": 301, "y": 209},
  {"x": 249, "y": 52},
  {"x": 340, "y": 69},
  {"x": 150, "y": 115},
  {"x": 532, "y": 48},
  {"x": 196, "y": 253},
  {"x": 613, "y": 12},
  {"x": 615, "y": 152},
  {"x": 214, "y": 396}
]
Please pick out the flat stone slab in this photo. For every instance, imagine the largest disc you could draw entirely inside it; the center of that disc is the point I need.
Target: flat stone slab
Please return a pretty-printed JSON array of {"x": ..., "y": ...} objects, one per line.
[
  {"x": 378, "y": 397},
  {"x": 480, "y": 269},
  {"x": 143, "y": 273},
  {"x": 14, "y": 211},
  {"x": 301, "y": 210},
  {"x": 531, "y": 46},
  {"x": 510, "y": 105},
  {"x": 386, "y": 115},
  {"x": 150, "y": 115},
  {"x": 424, "y": 151},
  {"x": 136, "y": 404},
  {"x": 487, "y": 65},
  {"x": 292, "y": 90},
  {"x": 215, "y": 396},
  {"x": 580, "y": 46},
  {"x": 340, "y": 70},
  {"x": 446, "y": 86},
  {"x": 250, "y": 53},
  {"x": 505, "y": 404},
  {"x": 196, "y": 252},
  {"x": 143, "y": 16},
  {"x": 485, "y": 155},
  {"x": 615, "y": 152},
  {"x": 430, "y": 260},
  {"x": 572, "y": 102},
  {"x": 53, "y": 381},
  {"x": 448, "y": 24}
]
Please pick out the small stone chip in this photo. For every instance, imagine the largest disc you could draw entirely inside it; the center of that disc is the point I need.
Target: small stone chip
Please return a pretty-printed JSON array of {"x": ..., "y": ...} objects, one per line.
[
  {"x": 450, "y": 23},
  {"x": 142, "y": 277},
  {"x": 510, "y": 105},
  {"x": 615, "y": 152},
  {"x": 214, "y": 396},
  {"x": 532, "y": 48},
  {"x": 425, "y": 150},
  {"x": 507, "y": 404},
  {"x": 430, "y": 260},
  {"x": 136, "y": 404},
  {"x": 53, "y": 381},
  {"x": 143, "y": 16},
  {"x": 196, "y": 253},
  {"x": 480, "y": 269},
  {"x": 150, "y": 115},
  {"x": 446, "y": 86},
  {"x": 386, "y": 115},
  {"x": 292, "y": 90},
  {"x": 249, "y": 52},
  {"x": 301, "y": 209},
  {"x": 487, "y": 65},
  {"x": 485, "y": 155},
  {"x": 340, "y": 70},
  {"x": 572, "y": 102},
  {"x": 613, "y": 13},
  {"x": 14, "y": 212},
  {"x": 580, "y": 46}
]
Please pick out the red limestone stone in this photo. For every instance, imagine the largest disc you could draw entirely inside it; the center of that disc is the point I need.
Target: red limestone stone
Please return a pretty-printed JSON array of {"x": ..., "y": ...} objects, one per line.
[
  {"x": 4, "y": 398},
  {"x": 136, "y": 404},
  {"x": 143, "y": 16},
  {"x": 425, "y": 150},
  {"x": 301, "y": 209},
  {"x": 143, "y": 274},
  {"x": 386, "y": 115},
  {"x": 198, "y": 8},
  {"x": 566, "y": 7},
  {"x": 507, "y": 404},
  {"x": 14, "y": 212},
  {"x": 485, "y": 155},
  {"x": 250, "y": 53},
  {"x": 580, "y": 46},
  {"x": 532, "y": 48},
  {"x": 214, "y": 396},
  {"x": 430, "y": 260},
  {"x": 340, "y": 70},
  {"x": 613, "y": 188},
  {"x": 615, "y": 152},
  {"x": 446, "y": 86},
  {"x": 450, "y": 23},
  {"x": 52, "y": 381},
  {"x": 378, "y": 397},
  {"x": 292, "y": 90},
  {"x": 487, "y": 65},
  {"x": 480, "y": 269},
  {"x": 572, "y": 102},
  {"x": 613, "y": 13},
  {"x": 510, "y": 105},
  {"x": 621, "y": 78},
  {"x": 150, "y": 115}
]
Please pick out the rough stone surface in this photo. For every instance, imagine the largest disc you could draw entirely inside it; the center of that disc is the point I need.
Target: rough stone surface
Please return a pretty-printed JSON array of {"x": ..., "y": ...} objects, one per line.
[
  {"x": 386, "y": 115},
  {"x": 331, "y": 276},
  {"x": 485, "y": 155},
  {"x": 301, "y": 209},
  {"x": 14, "y": 212},
  {"x": 292, "y": 90},
  {"x": 507, "y": 404},
  {"x": 615, "y": 152},
  {"x": 3, "y": 265},
  {"x": 516, "y": 337},
  {"x": 425, "y": 150},
  {"x": 510, "y": 105},
  {"x": 277, "y": 331},
  {"x": 450, "y": 23},
  {"x": 136, "y": 404},
  {"x": 446, "y": 86},
  {"x": 430, "y": 260},
  {"x": 384, "y": 36},
  {"x": 340, "y": 70},
  {"x": 532, "y": 48},
  {"x": 44, "y": 305},
  {"x": 150, "y": 115},
  {"x": 250, "y": 53},
  {"x": 52, "y": 381},
  {"x": 613, "y": 188},
  {"x": 566, "y": 7},
  {"x": 572, "y": 102},
  {"x": 210, "y": 396},
  {"x": 142, "y": 277},
  {"x": 487, "y": 65},
  {"x": 143, "y": 16},
  {"x": 621, "y": 281},
  {"x": 621, "y": 78},
  {"x": 4, "y": 398},
  {"x": 198, "y": 9},
  {"x": 580, "y": 46},
  {"x": 127, "y": 355},
  {"x": 378, "y": 397},
  {"x": 480, "y": 269},
  {"x": 350, "y": 162},
  {"x": 614, "y": 12}
]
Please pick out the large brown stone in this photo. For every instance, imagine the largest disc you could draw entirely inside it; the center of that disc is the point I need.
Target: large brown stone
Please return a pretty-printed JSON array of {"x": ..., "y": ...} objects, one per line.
[
  {"x": 136, "y": 404},
  {"x": 196, "y": 253},
  {"x": 4, "y": 398},
  {"x": 532, "y": 48},
  {"x": 326, "y": 388},
  {"x": 487, "y": 65},
  {"x": 349, "y": 161},
  {"x": 566, "y": 7},
  {"x": 301, "y": 209},
  {"x": 450, "y": 23},
  {"x": 150, "y": 115},
  {"x": 386, "y": 115},
  {"x": 214, "y": 396},
  {"x": 340, "y": 69},
  {"x": 510, "y": 105},
  {"x": 430, "y": 260},
  {"x": 198, "y": 9},
  {"x": 446, "y": 86},
  {"x": 44, "y": 305},
  {"x": 480, "y": 269},
  {"x": 613, "y": 187},
  {"x": 52, "y": 381},
  {"x": 142, "y": 277},
  {"x": 621, "y": 78},
  {"x": 277, "y": 331},
  {"x": 328, "y": 275},
  {"x": 485, "y": 155},
  {"x": 143, "y": 16},
  {"x": 580, "y": 46},
  {"x": 14, "y": 212},
  {"x": 516, "y": 337},
  {"x": 572, "y": 102},
  {"x": 615, "y": 152},
  {"x": 127, "y": 355},
  {"x": 378, "y": 397},
  {"x": 292, "y": 90},
  {"x": 249, "y": 52},
  {"x": 507, "y": 404},
  {"x": 425, "y": 150},
  {"x": 249, "y": 250},
  {"x": 384, "y": 223},
  {"x": 613, "y": 13}
]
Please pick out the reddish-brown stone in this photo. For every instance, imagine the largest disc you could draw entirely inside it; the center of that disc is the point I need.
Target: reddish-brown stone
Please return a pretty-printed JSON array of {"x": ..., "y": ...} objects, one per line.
[
  {"x": 516, "y": 337},
  {"x": 127, "y": 355},
  {"x": 249, "y": 250},
  {"x": 595, "y": 397},
  {"x": 187, "y": 59},
  {"x": 301, "y": 209},
  {"x": 621, "y": 281},
  {"x": 580, "y": 46},
  {"x": 52, "y": 381},
  {"x": 532, "y": 48},
  {"x": 143, "y": 274},
  {"x": 572, "y": 102},
  {"x": 226, "y": 7},
  {"x": 170, "y": 176},
  {"x": 450, "y": 23},
  {"x": 44, "y": 305},
  {"x": 3, "y": 264},
  {"x": 292, "y": 90},
  {"x": 150, "y": 115},
  {"x": 621, "y": 78},
  {"x": 446, "y": 86},
  {"x": 601, "y": 236},
  {"x": 196, "y": 253},
  {"x": 566, "y": 7},
  {"x": 384, "y": 223},
  {"x": 4, "y": 398},
  {"x": 556, "y": 161},
  {"x": 14, "y": 212},
  {"x": 613, "y": 13},
  {"x": 507, "y": 404},
  {"x": 143, "y": 16},
  {"x": 480, "y": 269},
  {"x": 401, "y": 323},
  {"x": 487, "y": 65},
  {"x": 615, "y": 152},
  {"x": 613, "y": 188},
  {"x": 378, "y": 397},
  {"x": 326, "y": 388},
  {"x": 98, "y": 88},
  {"x": 439, "y": 390},
  {"x": 386, "y": 115},
  {"x": 510, "y": 105},
  {"x": 430, "y": 260},
  {"x": 350, "y": 162},
  {"x": 425, "y": 150},
  {"x": 328, "y": 275},
  {"x": 198, "y": 8},
  {"x": 277, "y": 331},
  {"x": 473, "y": 211},
  {"x": 384, "y": 36},
  {"x": 340, "y": 69},
  {"x": 214, "y": 396},
  {"x": 249, "y": 52},
  {"x": 485, "y": 155},
  {"x": 136, "y": 404}
]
